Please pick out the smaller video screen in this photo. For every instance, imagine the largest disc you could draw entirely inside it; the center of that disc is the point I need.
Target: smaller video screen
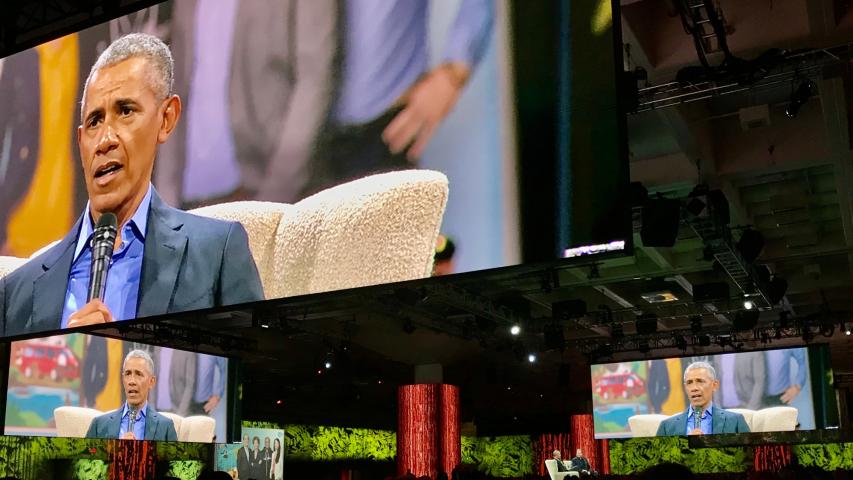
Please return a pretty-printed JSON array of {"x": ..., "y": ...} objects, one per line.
[
  {"x": 88, "y": 386},
  {"x": 728, "y": 393}
]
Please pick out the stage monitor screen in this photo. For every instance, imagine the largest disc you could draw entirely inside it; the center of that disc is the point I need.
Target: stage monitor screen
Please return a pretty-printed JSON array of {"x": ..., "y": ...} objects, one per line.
[
  {"x": 742, "y": 392},
  {"x": 77, "y": 385},
  {"x": 299, "y": 104}
]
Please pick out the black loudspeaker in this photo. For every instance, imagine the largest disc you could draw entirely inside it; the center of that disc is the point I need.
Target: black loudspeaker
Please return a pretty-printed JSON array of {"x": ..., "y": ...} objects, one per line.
[
  {"x": 565, "y": 375},
  {"x": 661, "y": 218},
  {"x": 746, "y": 320},
  {"x": 554, "y": 338},
  {"x": 568, "y": 309},
  {"x": 709, "y": 292},
  {"x": 647, "y": 324}
]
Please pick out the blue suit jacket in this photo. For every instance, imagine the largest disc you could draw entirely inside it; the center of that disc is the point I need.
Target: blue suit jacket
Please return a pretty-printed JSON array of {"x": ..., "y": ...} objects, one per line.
[
  {"x": 157, "y": 427},
  {"x": 190, "y": 263},
  {"x": 722, "y": 421}
]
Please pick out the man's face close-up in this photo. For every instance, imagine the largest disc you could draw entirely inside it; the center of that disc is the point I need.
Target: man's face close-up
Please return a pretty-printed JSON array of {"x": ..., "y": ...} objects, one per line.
[
  {"x": 122, "y": 126},
  {"x": 699, "y": 387},
  {"x": 137, "y": 381}
]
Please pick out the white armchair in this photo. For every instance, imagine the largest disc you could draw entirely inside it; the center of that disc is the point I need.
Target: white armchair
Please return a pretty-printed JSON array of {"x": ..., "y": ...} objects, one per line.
[
  {"x": 551, "y": 466},
  {"x": 774, "y": 419},
  {"x": 74, "y": 421},
  {"x": 645, "y": 425}
]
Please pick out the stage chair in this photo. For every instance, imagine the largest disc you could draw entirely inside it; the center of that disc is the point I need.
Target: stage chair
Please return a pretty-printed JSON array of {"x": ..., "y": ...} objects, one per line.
[
  {"x": 74, "y": 421},
  {"x": 377, "y": 229},
  {"x": 645, "y": 425},
  {"x": 197, "y": 428},
  {"x": 774, "y": 419},
  {"x": 551, "y": 466},
  {"x": 177, "y": 420},
  {"x": 261, "y": 221},
  {"x": 9, "y": 264},
  {"x": 748, "y": 415}
]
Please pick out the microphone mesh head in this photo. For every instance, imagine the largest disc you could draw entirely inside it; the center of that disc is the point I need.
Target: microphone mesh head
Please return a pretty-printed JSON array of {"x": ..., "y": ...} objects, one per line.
[{"x": 108, "y": 219}]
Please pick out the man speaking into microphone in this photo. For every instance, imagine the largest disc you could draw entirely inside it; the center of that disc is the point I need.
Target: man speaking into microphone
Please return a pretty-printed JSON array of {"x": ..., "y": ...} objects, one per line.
[
  {"x": 163, "y": 260},
  {"x": 702, "y": 417},
  {"x": 135, "y": 420}
]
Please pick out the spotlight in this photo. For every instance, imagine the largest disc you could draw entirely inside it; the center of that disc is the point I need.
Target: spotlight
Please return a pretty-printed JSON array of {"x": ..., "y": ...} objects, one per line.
[
  {"x": 696, "y": 324},
  {"x": 327, "y": 365},
  {"x": 531, "y": 358},
  {"x": 278, "y": 402},
  {"x": 747, "y": 304},
  {"x": 799, "y": 98},
  {"x": 515, "y": 329},
  {"x": 847, "y": 332}
]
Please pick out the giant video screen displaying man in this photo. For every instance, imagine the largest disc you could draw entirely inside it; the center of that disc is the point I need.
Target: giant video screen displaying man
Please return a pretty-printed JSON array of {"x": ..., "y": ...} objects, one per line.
[{"x": 164, "y": 260}]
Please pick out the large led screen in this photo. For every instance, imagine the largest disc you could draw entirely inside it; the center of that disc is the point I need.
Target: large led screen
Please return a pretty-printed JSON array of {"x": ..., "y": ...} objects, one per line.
[
  {"x": 741, "y": 392},
  {"x": 299, "y": 105},
  {"x": 77, "y": 385}
]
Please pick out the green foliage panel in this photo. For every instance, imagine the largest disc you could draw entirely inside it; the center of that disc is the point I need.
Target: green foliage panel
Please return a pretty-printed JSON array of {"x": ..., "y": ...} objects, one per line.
[
  {"x": 86, "y": 469},
  {"x": 185, "y": 469},
  {"x": 507, "y": 456},
  {"x": 830, "y": 456},
  {"x": 637, "y": 454},
  {"x": 321, "y": 443}
]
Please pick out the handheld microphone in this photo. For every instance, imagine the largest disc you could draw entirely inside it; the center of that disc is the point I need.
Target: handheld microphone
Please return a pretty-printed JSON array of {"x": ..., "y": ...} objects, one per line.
[
  {"x": 697, "y": 417},
  {"x": 102, "y": 244},
  {"x": 132, "y": 421}
]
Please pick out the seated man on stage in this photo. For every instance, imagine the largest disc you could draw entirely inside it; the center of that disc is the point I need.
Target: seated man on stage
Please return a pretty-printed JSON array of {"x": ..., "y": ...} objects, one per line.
[
  {"x": 561, "y": 467},
  {"x": 164, "y": 260},
  {"x": 135, "y": 420},
  {"x": 702, "y": 417},
  {"x": 581, "y": 465}
]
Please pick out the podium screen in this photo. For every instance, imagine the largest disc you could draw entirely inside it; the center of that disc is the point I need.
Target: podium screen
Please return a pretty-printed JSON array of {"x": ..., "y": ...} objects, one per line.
[{"x": 79, "y": 385}]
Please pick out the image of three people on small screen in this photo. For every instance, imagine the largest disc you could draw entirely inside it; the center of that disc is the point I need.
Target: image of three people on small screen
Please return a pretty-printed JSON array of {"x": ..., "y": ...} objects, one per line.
[
  {"x": 259, "y": 463},
  {"x": 752, "y": 380}
]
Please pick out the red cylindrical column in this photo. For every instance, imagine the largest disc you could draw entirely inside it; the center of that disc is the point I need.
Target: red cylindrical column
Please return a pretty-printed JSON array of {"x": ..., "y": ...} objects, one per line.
[
  {"x": 450, "y": 451},
  {"x": 583, "y": 437},
  {"x": 428, "y": 439},
  {"x": 604, "y": 451}
]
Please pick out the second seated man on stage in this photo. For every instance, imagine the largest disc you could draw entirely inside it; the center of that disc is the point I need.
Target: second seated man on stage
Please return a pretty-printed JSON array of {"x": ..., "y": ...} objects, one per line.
[
  {"x": 702, "y": 416},
  {"x": 165, "y": 260}
]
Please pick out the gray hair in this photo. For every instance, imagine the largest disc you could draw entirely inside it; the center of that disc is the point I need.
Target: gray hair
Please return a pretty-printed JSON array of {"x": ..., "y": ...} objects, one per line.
[
  {"x": 140, "y": 354},
  {"x": 697, "y": 365},
  {"x": 555, "y": 452},
  {"x": 161, "y": 65}
]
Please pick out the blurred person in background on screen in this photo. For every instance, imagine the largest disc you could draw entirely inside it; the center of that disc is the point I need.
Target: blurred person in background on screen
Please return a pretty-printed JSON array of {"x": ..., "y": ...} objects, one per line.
[
  {"x": 657, "y": 384},
  {"x": 267, "y": 459},
  {"x": 257, "y": 80},
  {"x": 702, "y": 416},
  {"x": 390, "y": 100},
  {"x": 750, "y": 376},
  {"x": 244, "y": 462},
  {"x": 163, "y": 257},
  {"x": 210, "y": 377},
  {"x": 443, "y": 263},
  {"x": 781, "y": 389},
  {"x": 277, "y": 459},
  {"x": 136, "y": 419}
]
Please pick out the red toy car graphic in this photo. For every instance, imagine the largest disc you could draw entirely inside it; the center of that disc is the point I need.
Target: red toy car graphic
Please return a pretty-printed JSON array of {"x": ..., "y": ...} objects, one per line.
[
  {"x": 49, "y": 358},
  {"x": 616, "y": 385}
]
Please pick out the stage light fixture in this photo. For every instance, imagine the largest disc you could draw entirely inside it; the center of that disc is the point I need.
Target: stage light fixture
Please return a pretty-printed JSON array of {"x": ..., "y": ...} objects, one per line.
[
  {"x": 515, "y": 329},
  {"x": 696, "y": 324},
  {"x": 531, "y": 358},
  {"x": 747, "y": 304},
  {"x": 647, "y": 324},
  {"x": 616, "y": 331},
  {"x": 327, "y": 365},
  {"x": 799, "y": 98},
  {"x": 847, "y": 332}
]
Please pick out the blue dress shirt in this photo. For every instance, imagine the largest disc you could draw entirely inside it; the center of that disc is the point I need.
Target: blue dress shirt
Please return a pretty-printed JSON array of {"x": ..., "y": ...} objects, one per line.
[
  {"x": 705, "y": 423},
  {"x": 122, "y": 292},
  {"x": 207, "y": 381},
  {"x": 385, "y": 51},
  {"x": 138, "y": 425},
  {"x": 779, "y": 369}
]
